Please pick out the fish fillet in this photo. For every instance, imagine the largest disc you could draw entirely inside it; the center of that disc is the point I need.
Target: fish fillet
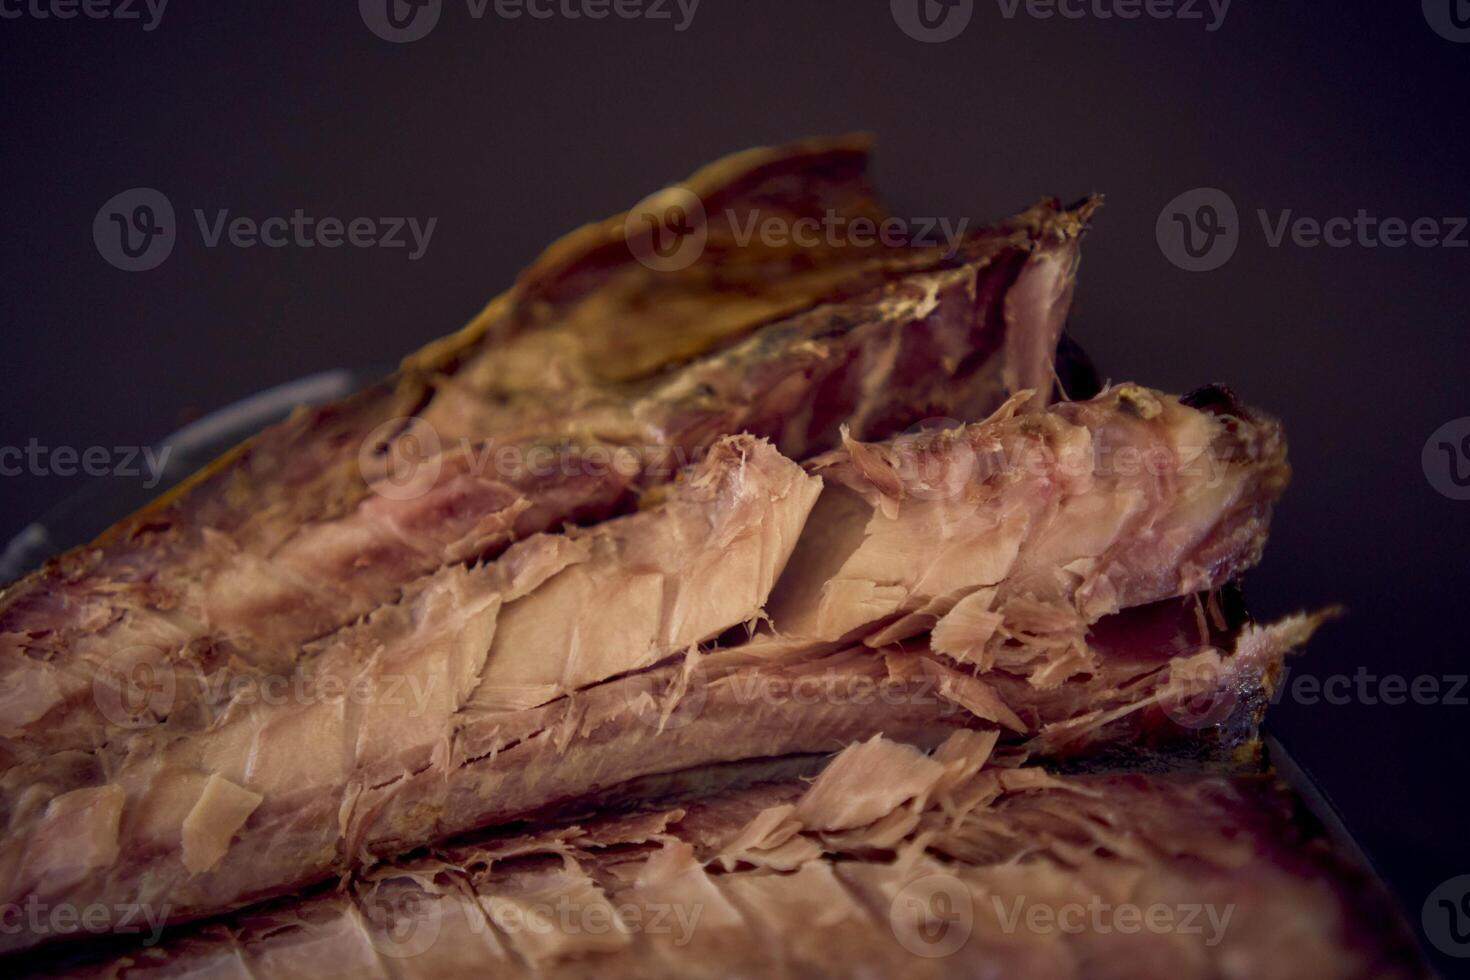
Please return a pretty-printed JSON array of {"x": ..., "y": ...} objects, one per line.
[
  {"x": 892, "y": 863},
  {"x": 585, "y": 659}
]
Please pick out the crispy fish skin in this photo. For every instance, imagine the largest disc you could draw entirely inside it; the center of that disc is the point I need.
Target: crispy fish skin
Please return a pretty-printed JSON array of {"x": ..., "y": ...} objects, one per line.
[
  {"x": 892, "y": 863},
  {"x": 225, "y": 583},
  {"x": 548, "y": 650}
]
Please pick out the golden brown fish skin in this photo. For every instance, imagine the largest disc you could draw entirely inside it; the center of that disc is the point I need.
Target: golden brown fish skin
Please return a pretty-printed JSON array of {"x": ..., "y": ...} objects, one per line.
[{"x": 757, "y": 881}]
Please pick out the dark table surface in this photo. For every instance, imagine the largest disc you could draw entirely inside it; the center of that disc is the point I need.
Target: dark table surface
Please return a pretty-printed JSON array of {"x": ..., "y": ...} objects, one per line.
[{"x": 512, "y": 131}]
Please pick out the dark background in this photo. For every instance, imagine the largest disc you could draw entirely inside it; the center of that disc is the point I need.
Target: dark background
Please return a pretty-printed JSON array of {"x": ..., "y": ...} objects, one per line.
[{"x": 513, "y": 132}]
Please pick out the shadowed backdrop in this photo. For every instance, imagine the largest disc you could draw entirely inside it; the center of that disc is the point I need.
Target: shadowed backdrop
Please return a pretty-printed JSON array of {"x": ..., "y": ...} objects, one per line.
[{"x": 510, "y": 132}]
